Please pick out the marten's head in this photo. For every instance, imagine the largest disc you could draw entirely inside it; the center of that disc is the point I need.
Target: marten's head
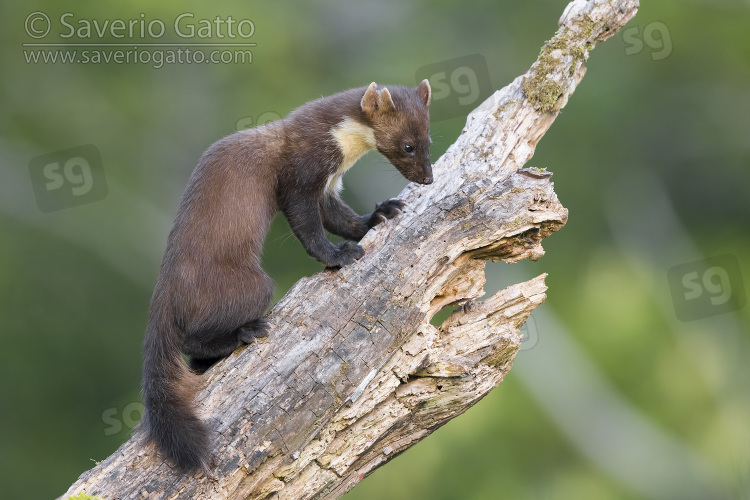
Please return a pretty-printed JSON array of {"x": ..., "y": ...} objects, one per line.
[{"x": 400, "y": 119}]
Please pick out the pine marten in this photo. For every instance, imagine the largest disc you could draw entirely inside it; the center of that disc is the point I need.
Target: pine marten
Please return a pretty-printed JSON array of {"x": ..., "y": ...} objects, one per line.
[{"x": 212, "y": 292}]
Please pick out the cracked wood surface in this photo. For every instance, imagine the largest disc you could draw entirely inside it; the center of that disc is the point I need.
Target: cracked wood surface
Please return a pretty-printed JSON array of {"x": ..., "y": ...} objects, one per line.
[{"x": 353, "y": 372}]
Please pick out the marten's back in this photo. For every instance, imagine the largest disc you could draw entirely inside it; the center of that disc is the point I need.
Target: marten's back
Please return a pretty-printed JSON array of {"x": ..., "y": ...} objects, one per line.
[{"x": 223, "y": 219}]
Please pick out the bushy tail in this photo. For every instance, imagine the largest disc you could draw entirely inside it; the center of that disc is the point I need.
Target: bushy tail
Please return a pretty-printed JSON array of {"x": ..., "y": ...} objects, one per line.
[{"x": 169, "y": 419}]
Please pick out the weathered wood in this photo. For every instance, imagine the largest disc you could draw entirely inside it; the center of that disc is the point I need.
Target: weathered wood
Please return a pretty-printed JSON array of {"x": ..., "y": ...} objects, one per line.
[{"x": 353, "y": 372}]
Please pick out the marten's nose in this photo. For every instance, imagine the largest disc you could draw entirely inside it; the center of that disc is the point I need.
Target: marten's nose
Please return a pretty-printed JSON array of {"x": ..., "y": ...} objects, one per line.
[{"x": 427, "y": 173}]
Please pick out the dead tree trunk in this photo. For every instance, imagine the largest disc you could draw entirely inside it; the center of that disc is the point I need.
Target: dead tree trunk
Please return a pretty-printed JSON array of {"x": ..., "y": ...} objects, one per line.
[{"x": 353, "y": 372}]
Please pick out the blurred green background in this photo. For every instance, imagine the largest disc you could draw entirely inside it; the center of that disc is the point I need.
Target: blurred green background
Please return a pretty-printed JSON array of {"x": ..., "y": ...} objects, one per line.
[{"x": 633, "y": 379}]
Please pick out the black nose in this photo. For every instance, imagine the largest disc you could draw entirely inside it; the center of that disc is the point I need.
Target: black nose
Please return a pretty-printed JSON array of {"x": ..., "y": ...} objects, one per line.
[{"x": 427, "y": 180}]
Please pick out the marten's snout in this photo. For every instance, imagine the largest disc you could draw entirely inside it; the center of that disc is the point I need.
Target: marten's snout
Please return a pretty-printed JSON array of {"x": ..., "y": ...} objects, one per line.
[
  {"x": 426, "y": 174},
  {"x": 420, "y": 177}
]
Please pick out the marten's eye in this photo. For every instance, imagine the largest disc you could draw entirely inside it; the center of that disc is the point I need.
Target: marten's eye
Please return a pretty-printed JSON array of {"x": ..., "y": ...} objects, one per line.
[{"x": 408, "y": 148}]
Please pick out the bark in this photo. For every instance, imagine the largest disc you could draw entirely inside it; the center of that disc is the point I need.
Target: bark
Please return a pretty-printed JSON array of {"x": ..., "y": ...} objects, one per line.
[{"x": 354, "y": 373}]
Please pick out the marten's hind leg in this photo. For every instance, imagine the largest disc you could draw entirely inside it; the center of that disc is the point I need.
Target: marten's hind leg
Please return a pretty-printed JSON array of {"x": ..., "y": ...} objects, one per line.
[
  {"x": 204, "y": 348},
  {"x": 246, "y": 334}
]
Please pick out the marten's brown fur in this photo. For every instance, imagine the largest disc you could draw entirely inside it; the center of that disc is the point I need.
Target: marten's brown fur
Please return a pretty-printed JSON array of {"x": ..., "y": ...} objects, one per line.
[{"x": 212, "y": 292}]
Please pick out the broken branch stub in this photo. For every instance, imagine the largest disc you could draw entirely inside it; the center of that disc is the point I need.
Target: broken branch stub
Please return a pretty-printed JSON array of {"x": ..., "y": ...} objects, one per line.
[{"x": 353, "y": 372}]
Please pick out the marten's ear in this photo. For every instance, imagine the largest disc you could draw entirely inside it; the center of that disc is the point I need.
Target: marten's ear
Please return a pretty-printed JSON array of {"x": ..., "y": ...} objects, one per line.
[
  {"x": 424, "y": 92},
  {"x": 385, "y": 101},
  {"x": 369, "y": 101},
  {"x": 376, "y": 101}
]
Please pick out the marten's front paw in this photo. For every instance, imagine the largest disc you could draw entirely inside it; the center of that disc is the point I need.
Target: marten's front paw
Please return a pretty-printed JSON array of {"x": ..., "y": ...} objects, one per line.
[
  {"x": 346, "y": 253},
  {"x": 386, "y": 210}
]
